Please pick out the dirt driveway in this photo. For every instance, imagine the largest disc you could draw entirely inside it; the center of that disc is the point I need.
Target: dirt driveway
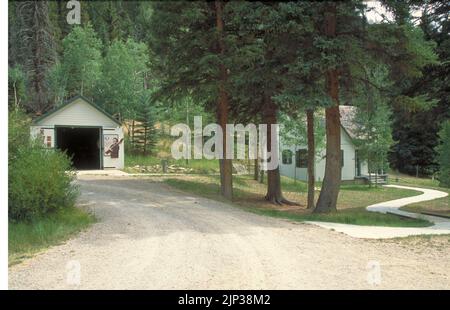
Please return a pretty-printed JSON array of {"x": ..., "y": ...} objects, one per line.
[{"x": 152, "y": 237}]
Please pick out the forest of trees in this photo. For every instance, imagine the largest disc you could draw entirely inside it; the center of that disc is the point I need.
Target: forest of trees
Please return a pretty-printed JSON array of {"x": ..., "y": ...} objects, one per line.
[{"x": 247, "y": 61}]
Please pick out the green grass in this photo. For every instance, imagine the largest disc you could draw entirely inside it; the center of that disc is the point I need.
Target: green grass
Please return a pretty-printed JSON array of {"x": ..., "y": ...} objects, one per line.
[
  {"x": 356, "y": 216},
  {"x": 248, "y": 195},
  {"x": 439, "y": 206},
  {"x": 407, "y": 180},
  {"x": 132, "y": 160},
  {"x": 26, "y": 239},
  {"x": 193, "y": 166}
]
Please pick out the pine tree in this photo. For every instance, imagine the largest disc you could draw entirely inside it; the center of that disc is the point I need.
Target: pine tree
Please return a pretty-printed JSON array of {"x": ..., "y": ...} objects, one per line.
[
  {"x": 145, "y": 134},
  {"x": 190, "y": 41},
  {"x": 423, "y": 102},
  {"x": 269, "y": 36},
  {"x": 350, "y": 45},
  {"x": 300, "y": 129},
  {"x": 35, "y": 51}
]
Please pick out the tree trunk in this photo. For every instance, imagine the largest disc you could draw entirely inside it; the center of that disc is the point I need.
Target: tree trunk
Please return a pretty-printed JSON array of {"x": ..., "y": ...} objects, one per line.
[
  {"x": 274, "y": 193},
  {"x": 332, "y": 179},
  {"x": 311, "y": 157},
  {"x": 16, "y": 103},
  {"x": 256, "y": 162},
  {"x": 295, "y": 166},
  {"x": 132, "y": 133},
  {"x": 256, "y": 173},
  {"x": 81, "y": 88},
  {"x": 226, "y": 168},
  {"x": 145, "y": 139}
]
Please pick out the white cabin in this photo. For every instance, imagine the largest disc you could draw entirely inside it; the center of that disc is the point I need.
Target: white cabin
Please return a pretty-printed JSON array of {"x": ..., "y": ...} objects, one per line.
[
  {"x": 89, "y": 135},
  {"x": 293, "y": 161}
]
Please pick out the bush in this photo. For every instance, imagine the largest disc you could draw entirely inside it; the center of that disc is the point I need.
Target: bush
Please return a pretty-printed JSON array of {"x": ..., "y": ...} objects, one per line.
[
  {"x": 18, "y": 132},
  {"x": 38, "y": 181}
]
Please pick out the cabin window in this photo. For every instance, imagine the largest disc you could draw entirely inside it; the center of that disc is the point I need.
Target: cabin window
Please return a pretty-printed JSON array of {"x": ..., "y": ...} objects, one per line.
[
  {"x": 301, "y": 158},
  {"x": 342, "y": 158},
  {"x": 286, "y": 157}
]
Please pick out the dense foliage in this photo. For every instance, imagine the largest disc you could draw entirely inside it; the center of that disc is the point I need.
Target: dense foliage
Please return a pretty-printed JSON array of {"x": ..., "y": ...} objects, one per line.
[
  {"x": 423, "y": 103},
  {"x": 38, "y": 182},
  {"x": 444, "y": 154},
  {"x": 242, "y": 61}
]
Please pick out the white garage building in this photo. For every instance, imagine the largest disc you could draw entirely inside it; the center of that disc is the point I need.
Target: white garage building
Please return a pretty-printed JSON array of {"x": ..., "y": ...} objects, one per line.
[{"x": 88, "y": 134}]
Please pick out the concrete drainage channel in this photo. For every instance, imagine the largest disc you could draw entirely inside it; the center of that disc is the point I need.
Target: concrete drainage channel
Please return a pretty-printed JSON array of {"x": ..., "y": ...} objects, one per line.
[{"x": 441, "y": 224}]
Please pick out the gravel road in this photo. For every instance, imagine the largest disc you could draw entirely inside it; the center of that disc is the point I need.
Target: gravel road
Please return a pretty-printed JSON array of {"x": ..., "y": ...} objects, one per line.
[{"x": 150, "y": 236}]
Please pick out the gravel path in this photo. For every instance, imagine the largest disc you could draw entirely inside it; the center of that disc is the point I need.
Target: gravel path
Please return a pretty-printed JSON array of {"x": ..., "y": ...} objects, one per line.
[{"x": 152, "y": 237}]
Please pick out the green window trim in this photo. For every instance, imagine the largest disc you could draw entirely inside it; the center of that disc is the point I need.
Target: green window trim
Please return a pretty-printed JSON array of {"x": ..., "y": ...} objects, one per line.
[
  {"x": 286, "y": 157},
  {"x": 301, "y": 158}
]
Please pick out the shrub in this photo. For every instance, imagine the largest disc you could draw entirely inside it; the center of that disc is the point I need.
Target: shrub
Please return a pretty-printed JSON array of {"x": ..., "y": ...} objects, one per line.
[
  {"x": 38, "y": 181},
  {"x": 18, "y": 132}
]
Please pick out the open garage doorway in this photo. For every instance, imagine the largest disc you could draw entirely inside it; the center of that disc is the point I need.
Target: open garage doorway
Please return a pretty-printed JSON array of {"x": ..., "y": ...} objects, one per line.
[{"x": 82, "y": 144}]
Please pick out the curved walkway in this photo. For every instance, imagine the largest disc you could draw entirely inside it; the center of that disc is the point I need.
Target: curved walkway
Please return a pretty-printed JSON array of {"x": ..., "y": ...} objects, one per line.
[{"x": 441, "y": 225}]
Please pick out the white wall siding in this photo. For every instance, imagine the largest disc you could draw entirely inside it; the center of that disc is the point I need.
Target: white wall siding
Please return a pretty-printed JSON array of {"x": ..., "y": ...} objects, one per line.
[
  {"x": 47, "y": 135},
  {"x": 364, "y": 168},
  {"x": 82, "y": 114},
  {"x": 348, "y": 170},
  {"x": 290, "y": 170},
  {"x": 78, "y": 113}
]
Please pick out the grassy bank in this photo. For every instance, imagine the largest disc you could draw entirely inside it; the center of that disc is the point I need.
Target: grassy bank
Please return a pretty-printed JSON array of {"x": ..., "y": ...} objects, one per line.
[
  {"x": 248, "y": 194},
  {"x": 151, "y": 164},
  {"x": 26, "y": 239},
  {"x": 439, "y": 206},
  {"x": 407, "y": 180}
]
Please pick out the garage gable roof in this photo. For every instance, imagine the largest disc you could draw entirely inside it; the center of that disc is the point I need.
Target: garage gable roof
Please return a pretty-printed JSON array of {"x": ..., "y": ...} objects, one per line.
[{"x": 69, "y": 102}]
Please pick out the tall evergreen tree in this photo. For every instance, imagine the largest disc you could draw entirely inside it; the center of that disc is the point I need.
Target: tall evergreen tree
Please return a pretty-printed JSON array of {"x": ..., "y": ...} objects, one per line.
[
  {"x": 112, "y": 20},
  {"x": 423, "y": 103},
  {"x": 189, "y": 40},
  {"x": 145, "y": 136},
  {"x": 35, "y": 51},
  {"x": 267, "y": 41},
  {"x": 351, "y": 45},
  {"x": 305, "y": 130},
  {"x": 13, "y": 30}
]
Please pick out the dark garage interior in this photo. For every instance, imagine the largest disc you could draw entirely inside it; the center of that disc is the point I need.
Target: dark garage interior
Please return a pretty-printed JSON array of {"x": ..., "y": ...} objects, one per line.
[{"x": 81, "y": 144}]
